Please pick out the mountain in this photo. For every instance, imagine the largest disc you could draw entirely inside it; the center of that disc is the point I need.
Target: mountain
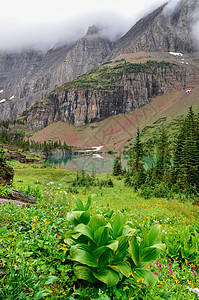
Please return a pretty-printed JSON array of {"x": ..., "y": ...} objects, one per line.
[
  {"x": 28, "y": 77},
  {"x": 162, "y": 30},
  {"x": 115, "y": 87}
]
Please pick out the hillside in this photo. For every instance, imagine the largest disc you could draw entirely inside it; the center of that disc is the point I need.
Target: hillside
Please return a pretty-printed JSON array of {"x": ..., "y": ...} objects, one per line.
[{"x": 117, "y": 131}]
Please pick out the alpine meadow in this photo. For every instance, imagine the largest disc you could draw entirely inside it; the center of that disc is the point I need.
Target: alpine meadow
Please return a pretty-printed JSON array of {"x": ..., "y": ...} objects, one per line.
[{"x": 99, "y": 155}]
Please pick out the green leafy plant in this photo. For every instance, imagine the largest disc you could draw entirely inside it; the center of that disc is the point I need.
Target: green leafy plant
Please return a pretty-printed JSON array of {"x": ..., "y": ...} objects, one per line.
[
  {"x": 107, "y": 250},
  {"x": 184, "y": 244}
]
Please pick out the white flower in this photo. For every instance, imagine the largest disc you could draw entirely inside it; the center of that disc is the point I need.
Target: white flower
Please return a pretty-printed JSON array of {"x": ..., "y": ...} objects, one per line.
[{"x": 49, "y": 183}]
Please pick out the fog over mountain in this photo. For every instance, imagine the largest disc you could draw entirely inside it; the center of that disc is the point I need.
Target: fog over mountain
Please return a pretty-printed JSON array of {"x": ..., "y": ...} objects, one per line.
[
  {"x": 73, "y": 47},
  {"x": 42, "y": 24}
]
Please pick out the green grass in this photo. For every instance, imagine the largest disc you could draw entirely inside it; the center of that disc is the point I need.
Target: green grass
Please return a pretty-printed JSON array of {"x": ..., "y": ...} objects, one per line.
[
  {"x": 34, "y": 252},
  {"x": 107, "y": 76}
]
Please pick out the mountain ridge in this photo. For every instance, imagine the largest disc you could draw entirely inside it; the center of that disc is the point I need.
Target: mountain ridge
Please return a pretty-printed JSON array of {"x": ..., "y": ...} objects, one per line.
[{"x": 28, "y": 77}]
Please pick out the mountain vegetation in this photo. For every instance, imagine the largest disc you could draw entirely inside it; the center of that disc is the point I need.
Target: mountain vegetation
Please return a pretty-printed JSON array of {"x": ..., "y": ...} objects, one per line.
[
  {"x": 132, "y": 234},
  {"x": 171, "y": 167}
]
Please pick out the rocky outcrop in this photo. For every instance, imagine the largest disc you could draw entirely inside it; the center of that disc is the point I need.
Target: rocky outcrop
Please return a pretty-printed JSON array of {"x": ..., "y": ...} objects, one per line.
[
  {"x": 6, "y": 174},
  {"x": 127, "y": 92},
  {"x": 16, "y": 155},
  {"x": 29, "y": 76},
  {"x": 19, "y": 199},
  {"x": 162, "y": 30}
]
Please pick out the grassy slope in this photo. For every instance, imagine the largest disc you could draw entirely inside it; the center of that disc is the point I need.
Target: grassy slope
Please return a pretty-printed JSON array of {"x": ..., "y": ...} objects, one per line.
[
  {"x": 119, "y": 197},
  {"x": 115, "y": 131}
]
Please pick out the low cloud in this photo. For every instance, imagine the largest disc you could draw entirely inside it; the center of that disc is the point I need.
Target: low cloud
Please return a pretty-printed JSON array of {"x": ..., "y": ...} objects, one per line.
[
  {"x": 40, "y": 35},
  {"x": 195, "y": 26},
  {"x": 17, "y": 34},
  {"x": 38, "y": 26}
]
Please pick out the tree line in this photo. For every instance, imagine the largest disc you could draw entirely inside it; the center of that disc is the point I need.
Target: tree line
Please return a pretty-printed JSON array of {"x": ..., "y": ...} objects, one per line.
[
  {"x": 170, "y": 170},
  {"x": 17, "y": 138}
]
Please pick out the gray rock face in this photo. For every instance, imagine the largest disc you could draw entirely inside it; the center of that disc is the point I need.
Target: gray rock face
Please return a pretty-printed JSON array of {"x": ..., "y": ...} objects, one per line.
[
  {"x": 162, "y": 30},
  {"x": 82, "y": 106},
  {"x": 28, "y": 77}
]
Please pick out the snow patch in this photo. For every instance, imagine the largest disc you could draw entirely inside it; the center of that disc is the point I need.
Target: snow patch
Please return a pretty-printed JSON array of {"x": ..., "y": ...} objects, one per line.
[
  {"x": 1, "y": 91},
  {"x": 95, "y": 149},
  {"x": 3, "y": 100},
  {"x": 12, "y": 97},
  {"x": 176, "y": 53},
  {"x": 97, "y": 156}
]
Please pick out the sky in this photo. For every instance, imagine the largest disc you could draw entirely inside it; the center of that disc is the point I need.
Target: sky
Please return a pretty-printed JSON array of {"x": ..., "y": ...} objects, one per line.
[{"x": 44, "y": 23}]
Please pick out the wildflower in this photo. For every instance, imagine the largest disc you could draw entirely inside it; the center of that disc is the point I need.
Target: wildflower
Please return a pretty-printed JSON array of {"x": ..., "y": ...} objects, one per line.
[
  {"x": 155, "y": 273},
  {"x": 195, "y": 273},
  {"x": 171, "y": 272},
  {"x": 170, "y": 265},
  {"x": 150, "y": 265},
  {"x": 178, "y": 267},
  {"x": 59, "y": 233},
  {"x": 193, "y": 268},
  {"x": 186, "y": 261}
]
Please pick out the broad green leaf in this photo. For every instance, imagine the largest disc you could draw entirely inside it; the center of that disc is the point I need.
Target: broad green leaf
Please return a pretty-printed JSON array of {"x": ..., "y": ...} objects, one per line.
[
  {"x": 101, "y": 236},
  {"x": 122, "y": 248},
  {"x": 79, "y": 203},
  {"x": 145, "y": 237},
  {"x": 83, "y": 256},
  {"x": 149, "y": 278},
  {"x": 80, "y": 217},
  {"x": 129, "y": 231},
  {"x": 85, "y": 217},
  {"x": 82, "y": 272},
  {"x": 122, "y": 267},
  {"x": 148, "y": 254},
  {"x": 88, "y": 204},
  {"x": 85, "y": 230},
  {"x": 113, "y": 245},
  {"x": 96, "y": 222},
  {"x": 134, "y": 250},
  {"x": 100, "y": 250},
  {"x": 154, "y": 234},
  {"x": 107, "y": 276},
  {"x": 105, "y": 258},
  {"x": 159, "y": 246},
  {"x": 118, "y": 224}
]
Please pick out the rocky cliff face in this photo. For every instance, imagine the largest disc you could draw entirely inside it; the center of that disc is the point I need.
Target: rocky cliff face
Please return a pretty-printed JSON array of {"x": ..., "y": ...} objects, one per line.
[
  {"x": 131, "y": 89},
  {"x": 163, "y": 30},
  {"x": 30, "y": 76}
]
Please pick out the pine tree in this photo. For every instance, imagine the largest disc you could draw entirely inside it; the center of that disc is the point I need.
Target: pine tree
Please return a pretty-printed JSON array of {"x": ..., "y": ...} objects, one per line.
[
  {"x": 137, "y": 170},
  {"x": 117, "y": 166},
  {"x": 186, "y": 158},
  {"x": 163, "y": 156}
]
